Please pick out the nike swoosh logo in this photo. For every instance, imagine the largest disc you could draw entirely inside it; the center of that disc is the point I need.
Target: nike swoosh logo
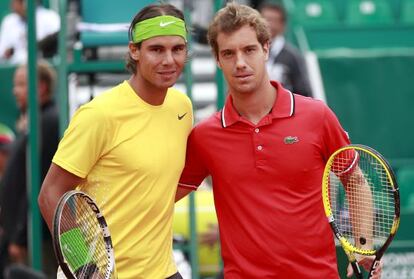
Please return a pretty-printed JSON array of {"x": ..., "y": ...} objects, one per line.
[
  {"x": 163, "y": 24},
  {"x": 181, "y": 116}
]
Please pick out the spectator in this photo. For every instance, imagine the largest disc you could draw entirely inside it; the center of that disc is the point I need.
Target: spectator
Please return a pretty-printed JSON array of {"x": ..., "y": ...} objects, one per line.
[
  {"x": 285, "y": 64},
  {"x": 13, "y": 32},
  {"x": 6, "y": 140},
  {"x": 13, "y": 191}
]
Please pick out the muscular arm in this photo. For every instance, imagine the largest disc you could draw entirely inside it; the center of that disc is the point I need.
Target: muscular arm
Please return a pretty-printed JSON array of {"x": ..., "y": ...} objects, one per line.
[
  {"x": 181, "y": 193},
  {"x": 57, "y": 182},
  {"x": 361, "y": 209}
]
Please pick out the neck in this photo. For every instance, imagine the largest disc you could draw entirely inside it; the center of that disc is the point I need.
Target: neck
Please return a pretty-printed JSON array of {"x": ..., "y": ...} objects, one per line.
[
  {"x": 255, "y": 105},
  {"x": 146, "y": 91}
]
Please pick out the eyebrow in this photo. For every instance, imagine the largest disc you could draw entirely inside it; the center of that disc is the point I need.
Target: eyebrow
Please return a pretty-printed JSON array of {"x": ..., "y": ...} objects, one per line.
[
  {"x": 253, "y": 45},
  {"x": 246, "y": 46},
  {"x": 163, "y": 46}
]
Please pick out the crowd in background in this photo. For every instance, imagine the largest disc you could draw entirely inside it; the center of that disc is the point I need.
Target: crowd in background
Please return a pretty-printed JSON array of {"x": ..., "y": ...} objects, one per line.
[{"x": 285, "y": 64}]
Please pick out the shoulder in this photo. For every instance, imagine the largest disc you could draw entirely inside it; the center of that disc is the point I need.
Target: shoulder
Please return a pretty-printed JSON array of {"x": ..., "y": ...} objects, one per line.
[
  {"x": 309, "y": 106},
  {"x": 179, "y": 97},
  {"x": 291, "y": 51},
  {"x": 50, "y": 113},
  {"x": 100, "y": 106},
  {"x": 208, "y": 125},
  {"x": 109, "y": 97},
  {"x": 288, "y": 47},
  {"x": 12, "y": 19},
  {"x": 43, "y": 12}
]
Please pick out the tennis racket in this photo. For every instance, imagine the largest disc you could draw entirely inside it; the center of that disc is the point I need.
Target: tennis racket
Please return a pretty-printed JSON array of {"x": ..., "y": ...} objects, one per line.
[
  {"x": 362, "y": 203},
  {"x": 81, "y": 238}
]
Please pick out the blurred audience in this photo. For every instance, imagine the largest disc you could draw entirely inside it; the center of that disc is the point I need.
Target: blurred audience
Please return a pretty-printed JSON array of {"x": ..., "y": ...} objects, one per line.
[
  {"x": 285, "y": 63},
  {"x": 13, "y": 189},
  {"x": 6, "y": 140},
  {"x": 13, "y": 32}
]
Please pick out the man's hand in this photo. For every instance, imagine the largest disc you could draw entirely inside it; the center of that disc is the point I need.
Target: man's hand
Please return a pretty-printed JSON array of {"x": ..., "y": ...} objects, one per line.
[{"x": 366, "y": 263}]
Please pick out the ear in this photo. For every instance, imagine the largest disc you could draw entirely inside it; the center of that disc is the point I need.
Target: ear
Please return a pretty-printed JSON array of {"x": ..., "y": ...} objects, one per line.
[
  {"x": 218, "y": 63},
  {"x": 266, "y": 48},
  {"x": 134, "y": 51}
]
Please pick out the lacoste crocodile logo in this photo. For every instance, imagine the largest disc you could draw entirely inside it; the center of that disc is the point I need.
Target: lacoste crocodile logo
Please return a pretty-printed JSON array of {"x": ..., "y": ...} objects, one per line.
[{"x": 290, "y": 140}]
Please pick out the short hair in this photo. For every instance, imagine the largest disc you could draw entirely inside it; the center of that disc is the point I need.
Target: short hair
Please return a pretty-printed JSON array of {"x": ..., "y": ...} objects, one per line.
[
  {"x": 149, "y": 11},
  {"x": 46, "y": 74},
  {"x": 233, "y": 17},
  {"x": 275, "y": 7}
]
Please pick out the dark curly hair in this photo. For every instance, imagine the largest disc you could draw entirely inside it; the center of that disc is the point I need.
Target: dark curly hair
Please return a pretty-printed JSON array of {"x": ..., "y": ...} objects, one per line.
[{"x": 150, "y": 11}]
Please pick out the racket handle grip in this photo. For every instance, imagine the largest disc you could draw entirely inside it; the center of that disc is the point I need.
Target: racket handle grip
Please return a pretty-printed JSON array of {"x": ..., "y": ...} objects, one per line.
[
  {"x": 60, "y": 274},
  {"x": 357, "y": 270}
]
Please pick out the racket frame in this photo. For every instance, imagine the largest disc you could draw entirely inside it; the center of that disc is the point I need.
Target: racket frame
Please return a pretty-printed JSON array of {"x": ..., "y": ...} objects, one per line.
[
  {"x": 102, "y": 224},
  {"x": 349, "y": 248}
]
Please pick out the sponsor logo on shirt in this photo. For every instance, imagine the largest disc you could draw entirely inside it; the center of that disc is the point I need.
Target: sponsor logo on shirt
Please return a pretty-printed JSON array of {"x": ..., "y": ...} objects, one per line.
[
  {"x": 181, "y": 116},
  {"x": 290, "y": 140}
]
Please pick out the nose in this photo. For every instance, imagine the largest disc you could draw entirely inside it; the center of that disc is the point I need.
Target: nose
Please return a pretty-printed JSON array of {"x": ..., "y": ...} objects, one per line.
[
  {"x": 240, "y": 62},
  {"x": 168, "y": 58}
]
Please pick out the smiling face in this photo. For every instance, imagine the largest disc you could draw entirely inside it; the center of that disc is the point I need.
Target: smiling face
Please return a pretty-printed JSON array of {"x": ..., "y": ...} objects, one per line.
[
  {"x": 160, "y": 60},
  {"x": 242, "y": 59}
]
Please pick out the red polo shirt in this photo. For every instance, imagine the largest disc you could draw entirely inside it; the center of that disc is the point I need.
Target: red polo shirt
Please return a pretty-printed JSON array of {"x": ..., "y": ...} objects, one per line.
[{"x": 267, "y": 186}]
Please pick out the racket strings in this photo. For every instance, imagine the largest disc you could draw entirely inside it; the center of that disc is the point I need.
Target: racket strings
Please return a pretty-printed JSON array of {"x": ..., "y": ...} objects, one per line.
[
  {"x": 84, "y": 248},
  {"x": 361, "y": 195}
]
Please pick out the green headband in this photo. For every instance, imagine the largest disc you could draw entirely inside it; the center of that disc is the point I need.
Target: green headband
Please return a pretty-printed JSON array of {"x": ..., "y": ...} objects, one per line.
[{"x": 164, "y": 25}]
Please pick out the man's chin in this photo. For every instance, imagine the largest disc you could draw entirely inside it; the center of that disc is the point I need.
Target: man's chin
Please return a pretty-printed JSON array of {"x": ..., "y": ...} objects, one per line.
[
  {"x": 245, "y": 88},
  {"x": 163, "y": 85}
]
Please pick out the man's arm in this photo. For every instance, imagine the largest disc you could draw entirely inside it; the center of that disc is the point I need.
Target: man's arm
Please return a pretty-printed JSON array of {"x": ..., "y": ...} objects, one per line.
[
  {"x": 181, "y": 193},
  {"x": 361, "y": 209},
  {"x": 57, "y": 182}
]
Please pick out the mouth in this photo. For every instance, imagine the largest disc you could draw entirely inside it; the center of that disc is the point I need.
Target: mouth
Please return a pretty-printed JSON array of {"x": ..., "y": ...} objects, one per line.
[
  {"x": 167, "y": 73},
  {"x": 243, "y": 77}
]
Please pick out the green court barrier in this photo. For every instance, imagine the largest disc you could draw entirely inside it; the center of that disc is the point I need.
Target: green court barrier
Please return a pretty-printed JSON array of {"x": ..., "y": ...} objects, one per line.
[
  {"x": 372, "y": 94},
  {"x": 366, "y": 37},
  {"x": 8, "y": 108}
]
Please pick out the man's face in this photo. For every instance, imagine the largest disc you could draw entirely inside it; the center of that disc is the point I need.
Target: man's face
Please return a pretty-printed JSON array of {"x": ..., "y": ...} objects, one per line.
[
  {"x": 275, "y": 20},
  {"x": 20, "y": 88},
  {"x": 18, "y": 6},
  {"x": 242, "y": 59},
  {"x": 160, "y": 60}
]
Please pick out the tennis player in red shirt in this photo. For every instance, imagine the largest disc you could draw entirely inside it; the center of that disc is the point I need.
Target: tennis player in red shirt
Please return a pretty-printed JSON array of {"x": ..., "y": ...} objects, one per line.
[{"x": 266, "y": 152}]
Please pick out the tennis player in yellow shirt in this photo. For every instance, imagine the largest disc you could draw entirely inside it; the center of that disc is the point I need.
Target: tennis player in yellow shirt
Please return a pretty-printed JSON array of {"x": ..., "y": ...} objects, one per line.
[{"x": 126, "y": 148}]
